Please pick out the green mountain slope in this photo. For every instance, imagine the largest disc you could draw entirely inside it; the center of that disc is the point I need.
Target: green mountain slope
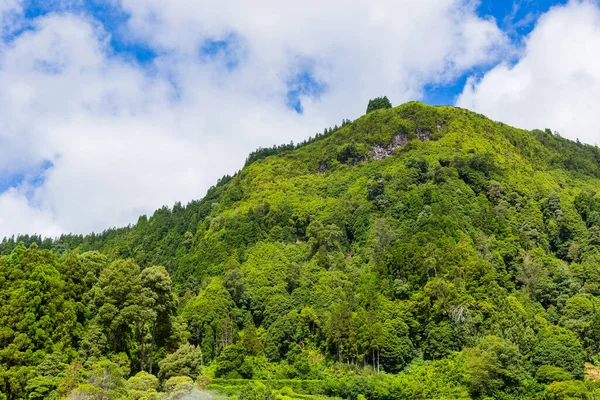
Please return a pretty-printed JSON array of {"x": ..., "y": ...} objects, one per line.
[{"x": 417, "y": 252}]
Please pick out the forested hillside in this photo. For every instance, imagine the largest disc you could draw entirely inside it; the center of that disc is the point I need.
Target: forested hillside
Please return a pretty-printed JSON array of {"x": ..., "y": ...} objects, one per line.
[{"x": 416, "y": 253}]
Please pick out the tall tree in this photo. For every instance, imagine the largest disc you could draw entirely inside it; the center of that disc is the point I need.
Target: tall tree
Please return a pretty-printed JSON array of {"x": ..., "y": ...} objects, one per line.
[{"x": 378, "y": 103}]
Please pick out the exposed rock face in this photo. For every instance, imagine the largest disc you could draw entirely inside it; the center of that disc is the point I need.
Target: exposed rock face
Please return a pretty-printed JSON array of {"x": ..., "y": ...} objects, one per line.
[
  {"x": 399, "y": 140},
  {"x": 423, "y": 136},
  {"x": 380, "y": 152}
]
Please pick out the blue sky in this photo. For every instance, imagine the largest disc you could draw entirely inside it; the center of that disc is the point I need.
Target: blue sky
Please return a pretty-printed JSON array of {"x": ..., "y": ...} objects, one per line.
[
  {"x": 515, "y": 18},
  {"x": 128, "y": 105},
  {"x": 109, "y": 14}
]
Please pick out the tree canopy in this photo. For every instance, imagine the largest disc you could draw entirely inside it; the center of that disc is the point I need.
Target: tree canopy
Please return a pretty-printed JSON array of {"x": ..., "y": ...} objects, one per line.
[{"x": 378, "y": 103}]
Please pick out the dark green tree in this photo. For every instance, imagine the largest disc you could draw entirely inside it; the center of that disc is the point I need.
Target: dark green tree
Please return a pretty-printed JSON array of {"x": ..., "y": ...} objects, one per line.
[{"x": 378, "y": 103}]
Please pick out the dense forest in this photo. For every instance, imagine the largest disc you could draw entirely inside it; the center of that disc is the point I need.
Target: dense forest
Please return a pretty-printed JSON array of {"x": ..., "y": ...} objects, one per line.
[{"x": 416, "y": 253}]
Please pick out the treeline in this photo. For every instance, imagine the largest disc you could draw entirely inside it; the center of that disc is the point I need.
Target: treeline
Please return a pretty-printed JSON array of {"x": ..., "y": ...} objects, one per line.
[
  {"x": 76, "y": 324},
  {"x": 261, "y": 153}
]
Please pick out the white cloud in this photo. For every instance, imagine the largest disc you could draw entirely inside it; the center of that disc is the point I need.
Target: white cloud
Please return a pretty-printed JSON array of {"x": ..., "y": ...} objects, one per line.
[
  {"x": 125, "y": 139},
  {"x": 556, "y": 82},
  {"x": 18, "y": 216},
  {"x": 361, "y": 48},
  {"x": 10, "y": 11},
  {"x": 10, "y": 6}
]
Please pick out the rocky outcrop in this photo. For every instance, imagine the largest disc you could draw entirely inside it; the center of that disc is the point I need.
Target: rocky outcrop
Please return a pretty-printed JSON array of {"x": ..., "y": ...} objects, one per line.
[
  {"x": 423, "y": 136},
  {"x": 380, "y": 152}
]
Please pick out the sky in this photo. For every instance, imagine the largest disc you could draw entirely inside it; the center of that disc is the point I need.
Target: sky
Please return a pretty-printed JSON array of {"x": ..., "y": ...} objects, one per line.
[{"x": 111, "y": 109}]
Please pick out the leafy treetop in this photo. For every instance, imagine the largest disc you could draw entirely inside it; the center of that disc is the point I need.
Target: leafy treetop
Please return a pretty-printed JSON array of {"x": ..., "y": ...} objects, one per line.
[{"x": 378, "y": 103}]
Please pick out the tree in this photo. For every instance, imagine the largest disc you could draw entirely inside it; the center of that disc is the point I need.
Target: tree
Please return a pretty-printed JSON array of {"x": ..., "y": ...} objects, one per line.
[
  {"x": 116, "y": 302},
  {"x": 567, "y": 390},
  {"x": 549, "y": 373},
  {"x": 206, "y": 313},
  {"x": 178, "y": 387},
  {"x": 494, "y": 364},
  {"x": 105, "y": 380},
  {"x": 35, "y": 315},
  {"x": 280, "y": 337},
  {"x": 250, "y": 340},
  {"x": 72, "y": 376},
  {"x": 186, "y": 361},
  {"x": 143, "y": 386},
  {"x": 559, "y": 347},
  {"x": 378, "y": 103},
  {"x": 135, "y": 311},
  {"x": 341, "y": 335},
  {"x": 49, "y": 374},
  {"x": 161, "y": 308},
  {"x": 232, "y": 363},
  {"x": 397, "y": 350},
  {"x": 440, "y": 341},
  {"x": 578, "y": 315},
  {"x": 381, "y": 236},
  {"x": 41, "y": 387}
]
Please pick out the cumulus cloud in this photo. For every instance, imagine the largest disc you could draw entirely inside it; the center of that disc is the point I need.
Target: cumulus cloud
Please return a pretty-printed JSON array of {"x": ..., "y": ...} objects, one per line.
[
  {"x": 359, "y": 48},
  {"x": 109, "y": 139},
  {"x": 10, "y": 11},
  {"x": 556, "y": 81},
  {"x": 18, "y": 216}
]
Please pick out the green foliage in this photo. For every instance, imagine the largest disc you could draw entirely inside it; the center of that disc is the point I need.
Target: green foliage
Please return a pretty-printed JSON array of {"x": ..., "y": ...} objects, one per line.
[
  {"x": 494, "y": 365},
  {"x": 232, "y": 363},
  {"x": 208, "y": 318},
  {"x": 550, "y": 373},
  {"x": 143, "y": 386},
  {"x": 41, "y": 387},
  {"x": 261, "y": 153},
  {"x": 559, "y": 347},
  {"x": 179, "y": 387},
  {"x": 256, "y": 391},
  {"x": 566, "y": 390},
  {"x": 378, "y": 103},
  {"x": 351, "y": 154},
  {"x": 416, "y": 253},
  {"x": 104, "y": 380},
  {"x": 185, "y": 361}
]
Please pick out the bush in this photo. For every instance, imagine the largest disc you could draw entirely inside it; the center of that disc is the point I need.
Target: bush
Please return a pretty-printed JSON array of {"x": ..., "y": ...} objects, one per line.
[
  {"x": 179, "y": 384},
  {"x": 256, "y": 391},
  {"x": 143, "y": 386}
]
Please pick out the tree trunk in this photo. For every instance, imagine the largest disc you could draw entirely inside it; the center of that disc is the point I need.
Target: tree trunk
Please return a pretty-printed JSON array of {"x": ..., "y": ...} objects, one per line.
[
  {"x": 152, "y": 348},
  {"x": 373, "y": 359},
  {"x": 142, "y": 347}
]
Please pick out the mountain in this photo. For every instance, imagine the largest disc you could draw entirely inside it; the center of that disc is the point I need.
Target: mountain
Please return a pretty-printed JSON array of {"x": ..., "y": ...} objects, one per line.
[{"x": 417, "y": 252}]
